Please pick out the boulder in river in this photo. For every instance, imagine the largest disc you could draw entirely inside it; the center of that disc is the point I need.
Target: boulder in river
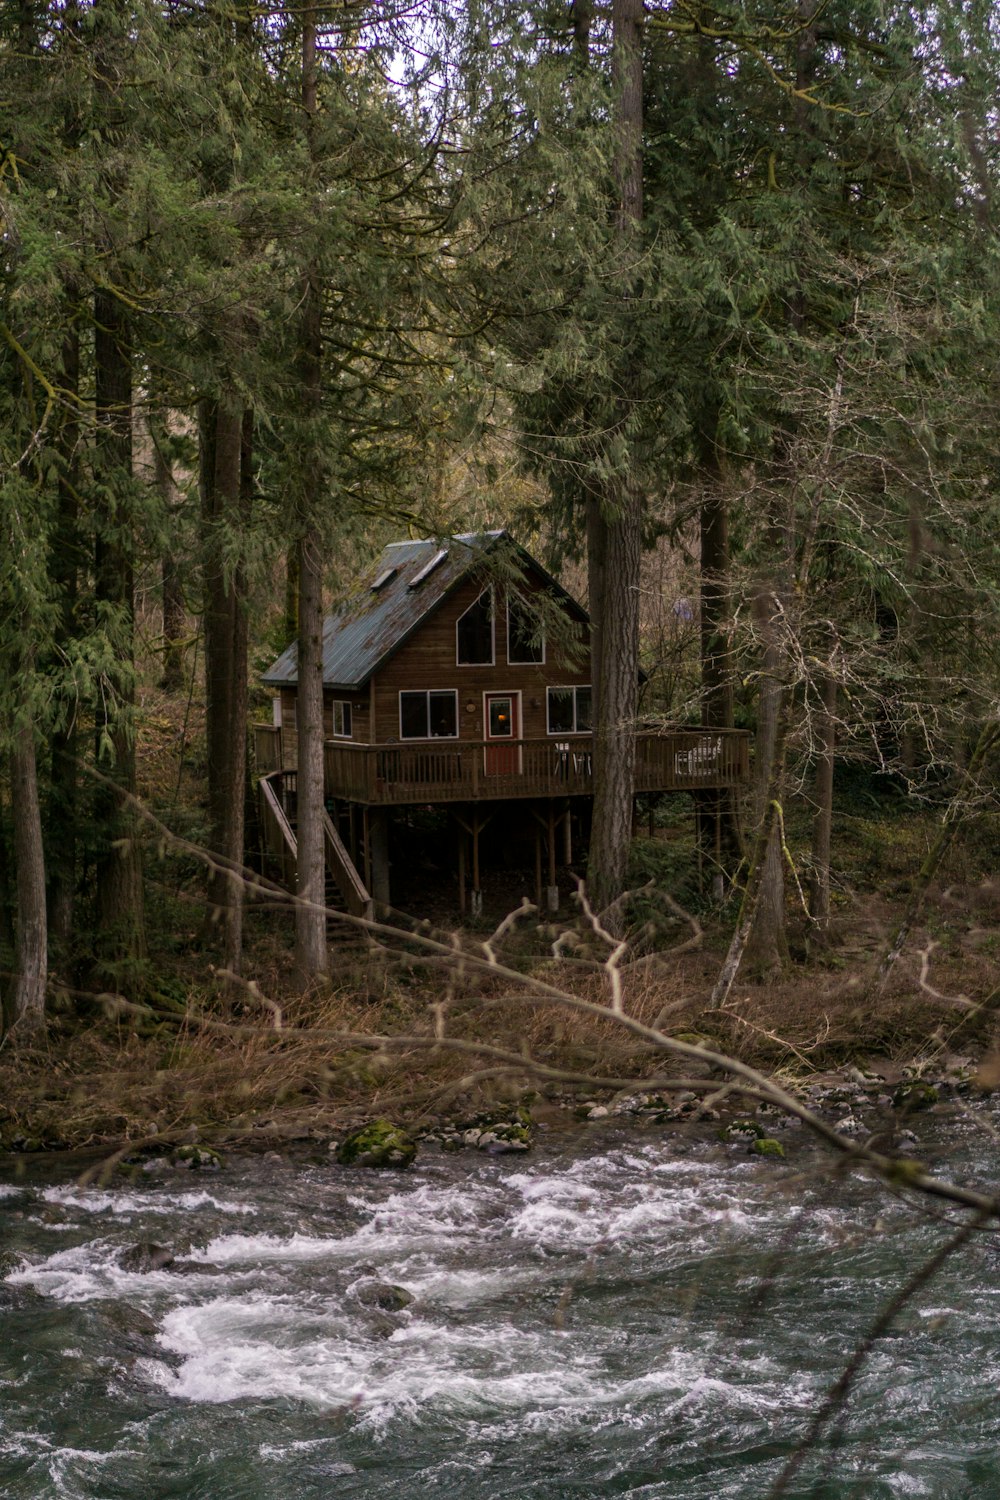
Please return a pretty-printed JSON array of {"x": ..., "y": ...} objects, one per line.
[
  {"x": 381, "y": 1294},
  {"x": 377, "y": 1144},
  {"x": 145, "y": 1257}
]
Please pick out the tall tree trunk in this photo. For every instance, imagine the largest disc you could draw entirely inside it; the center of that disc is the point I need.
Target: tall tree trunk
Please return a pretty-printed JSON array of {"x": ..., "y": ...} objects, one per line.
[
  {"x": 226, "y": 627},
  {"x": 120, "y": 942},
  {"x": 767, "y": 945},
  {"x": 720, "y": 810},
  {"x": 64, "y": 566},
  {"x": 120, "y": 924},
  {"x": 25, "y": 1008},
  {"x": 819, "y": 885},
  {"x": 614, "y": 521},
  {"x": 310, "y": 916},
  {"x": 170, "y": 577},
  {"x": 291, "y": 610}
]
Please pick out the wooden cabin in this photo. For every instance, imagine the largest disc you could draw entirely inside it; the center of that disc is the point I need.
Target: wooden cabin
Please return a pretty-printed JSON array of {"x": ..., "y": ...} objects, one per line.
[{"x": 458, "y": 674}]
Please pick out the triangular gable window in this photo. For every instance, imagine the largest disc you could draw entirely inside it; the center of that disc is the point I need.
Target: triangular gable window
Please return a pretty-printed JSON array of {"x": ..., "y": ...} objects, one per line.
[{"x": 474, "y": 633}]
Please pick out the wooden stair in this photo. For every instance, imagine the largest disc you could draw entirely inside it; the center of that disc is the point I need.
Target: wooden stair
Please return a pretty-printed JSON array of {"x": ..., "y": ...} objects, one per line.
[{"x": 345, "y": 889}]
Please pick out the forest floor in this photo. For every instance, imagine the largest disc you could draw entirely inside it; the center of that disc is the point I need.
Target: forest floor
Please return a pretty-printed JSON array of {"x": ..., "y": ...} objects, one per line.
[{"x": 199, "y": 1060}]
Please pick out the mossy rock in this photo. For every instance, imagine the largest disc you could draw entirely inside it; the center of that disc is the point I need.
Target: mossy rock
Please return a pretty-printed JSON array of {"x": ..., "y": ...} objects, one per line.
[
  {"x": 742, "y": 1129},
  {"x": 198, "y": 1158},
  {"x": 382, "y": 1294},
  {"x": 510, "y": 1131},
  {"x": 913, "y": 1096},
  {"x": 504, "y": 1136},
  {"x": 377, "y": 1144},
  {"x": 766, "y": 1145},
  {"x": 695, "y": 1039}
]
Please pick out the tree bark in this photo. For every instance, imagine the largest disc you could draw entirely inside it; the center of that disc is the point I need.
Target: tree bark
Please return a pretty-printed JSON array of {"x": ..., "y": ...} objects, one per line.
[
  {"x": 224, "y": 498},
  {"x": 310, "y": 915},
  {"x": 614, "y": 540},
  {"x": 719, "y": 810},
  {"x": 767, "y": 943},
  {"x": 120, "y": 943},
  {"x": 172, "y": 678},
  {"x": 64, "y": 566},
  {"x": 819, "y": 886},
  {"x": 768, "y": 829},
  {"x": 120, "y": 924},
  {"x": 25, "y": 1007}
]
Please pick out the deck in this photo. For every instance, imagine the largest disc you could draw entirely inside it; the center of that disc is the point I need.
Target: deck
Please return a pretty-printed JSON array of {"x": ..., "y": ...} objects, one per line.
[{"x": 490, "y": 771}]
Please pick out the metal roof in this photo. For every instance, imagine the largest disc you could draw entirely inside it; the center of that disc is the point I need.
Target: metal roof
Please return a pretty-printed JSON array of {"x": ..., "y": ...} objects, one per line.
[{"x": 375, "y": 621}]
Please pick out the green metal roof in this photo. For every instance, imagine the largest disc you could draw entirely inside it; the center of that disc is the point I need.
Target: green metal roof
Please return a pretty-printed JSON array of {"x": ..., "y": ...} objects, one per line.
[{"x": 392, "y": 600}]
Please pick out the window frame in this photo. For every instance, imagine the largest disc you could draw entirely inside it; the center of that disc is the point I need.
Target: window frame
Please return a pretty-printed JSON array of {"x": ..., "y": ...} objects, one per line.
[
  {"x": 346, "y": 716},
  {"x": 569, "y": 687},
  {"x": 426, "y": 694},
  {"x": 511, "y": 661},
  {"x": 493, "y": 631}
]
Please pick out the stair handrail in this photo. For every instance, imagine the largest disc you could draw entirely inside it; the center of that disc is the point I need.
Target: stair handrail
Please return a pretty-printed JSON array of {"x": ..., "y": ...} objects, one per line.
[
  {"x": 274, "y": 815},
  {"x": 341, "y": 866}
]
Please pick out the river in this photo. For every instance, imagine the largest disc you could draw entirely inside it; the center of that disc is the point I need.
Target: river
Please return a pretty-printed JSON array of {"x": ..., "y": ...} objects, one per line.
[{"x": 618, "y": 1313}]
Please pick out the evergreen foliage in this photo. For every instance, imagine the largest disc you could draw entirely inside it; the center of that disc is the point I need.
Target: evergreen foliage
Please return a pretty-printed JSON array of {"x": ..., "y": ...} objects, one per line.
[{"x": 800, "y": 330}]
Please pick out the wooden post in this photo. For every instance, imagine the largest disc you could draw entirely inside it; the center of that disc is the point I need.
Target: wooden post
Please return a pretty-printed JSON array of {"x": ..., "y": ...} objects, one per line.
[
  {"x": 553, "y": 891},
  {"x": 378, "y": 835},
  {"x": 477, "y": 895},
  {"x": 366, "y": 839},
  {"x": 568, "y": 835},
  {"x": 461, "y": 866},
  {"x": 538, "y": 864},
  {"x": 698, "y": 837}
]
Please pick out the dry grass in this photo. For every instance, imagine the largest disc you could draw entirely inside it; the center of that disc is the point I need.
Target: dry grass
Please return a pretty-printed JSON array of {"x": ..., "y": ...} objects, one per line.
[
  {"x": 226, "y": 1069},
  {"x": 274, "y": 1065}
]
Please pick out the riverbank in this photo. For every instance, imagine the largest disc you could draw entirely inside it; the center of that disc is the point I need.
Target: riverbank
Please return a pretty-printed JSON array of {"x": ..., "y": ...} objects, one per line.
[{"x": 398, "y": 1039}]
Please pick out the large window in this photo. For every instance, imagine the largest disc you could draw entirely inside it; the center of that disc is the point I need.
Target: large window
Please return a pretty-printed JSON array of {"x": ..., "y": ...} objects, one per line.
[
  {"x": 474, "y": 633},
  {"x": 569, "y": 710},
  {"x": 428, "y": 716},
  {"x": 340, "y": 719},
  {"x": 525, "y": 636}
]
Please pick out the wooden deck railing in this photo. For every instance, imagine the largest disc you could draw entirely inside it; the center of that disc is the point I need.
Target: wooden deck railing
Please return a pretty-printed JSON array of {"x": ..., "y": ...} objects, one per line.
[{"x": 480, "y": 770}]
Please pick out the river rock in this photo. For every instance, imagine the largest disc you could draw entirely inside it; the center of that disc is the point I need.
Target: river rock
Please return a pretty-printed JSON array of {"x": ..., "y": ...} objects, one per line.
[
  {"x": 381, "y": 1294},
  {"x": 909, "y": 1097},
  {"x": 130, "y": 1320},
  {"x": 198, "y": 1158},
  {"x": 377, "y": 1144},
  {"x": 145, "y": 1257},
  {"x": 742, "y": 1129}
]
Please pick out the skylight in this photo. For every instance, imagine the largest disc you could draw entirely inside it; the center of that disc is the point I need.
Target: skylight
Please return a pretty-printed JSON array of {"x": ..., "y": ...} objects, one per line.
[
  {"x": 383, "y": 578},
  {"x": 428, "y": 568}
]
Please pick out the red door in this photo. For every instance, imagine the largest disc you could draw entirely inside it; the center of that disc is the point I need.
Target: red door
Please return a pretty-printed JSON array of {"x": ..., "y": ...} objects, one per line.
[{"x": 502, "y": 723}]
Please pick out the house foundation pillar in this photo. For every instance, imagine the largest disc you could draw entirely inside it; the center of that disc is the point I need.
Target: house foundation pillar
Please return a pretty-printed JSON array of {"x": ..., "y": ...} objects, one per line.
[{"x": 378, "y": 839}]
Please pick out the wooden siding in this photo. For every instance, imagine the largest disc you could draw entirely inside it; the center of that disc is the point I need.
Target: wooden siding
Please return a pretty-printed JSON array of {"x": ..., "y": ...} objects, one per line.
[{"x": 428, "y": 661}]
